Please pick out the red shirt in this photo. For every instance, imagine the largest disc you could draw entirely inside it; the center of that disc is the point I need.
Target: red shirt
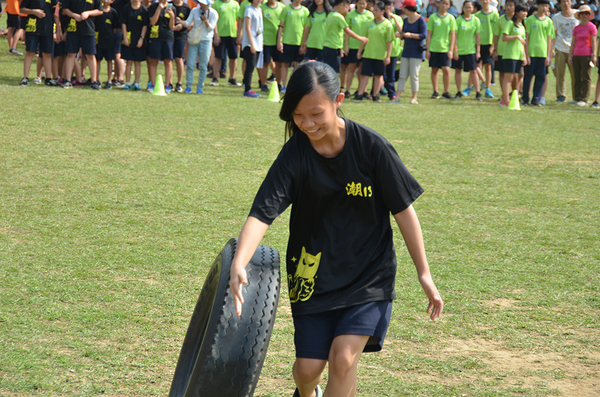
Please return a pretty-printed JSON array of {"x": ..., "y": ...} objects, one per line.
[{"x": 583, "y": 34}]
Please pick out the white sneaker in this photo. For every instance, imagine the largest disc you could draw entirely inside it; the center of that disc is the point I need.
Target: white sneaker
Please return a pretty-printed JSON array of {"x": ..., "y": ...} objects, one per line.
[
  {"x": 581, "y": 103},
  {"x": 319, "y": 391},
  {"x": 573, "y": 103},
  {"x": 37, "y": 80}
]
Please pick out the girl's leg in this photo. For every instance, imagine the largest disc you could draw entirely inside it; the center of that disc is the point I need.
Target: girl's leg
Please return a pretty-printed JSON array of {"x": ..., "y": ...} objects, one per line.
[
  {"x": 350, "y": 75},
  {"x": 377, "y": 83},
  {"x": 98, "y": 68},
  {"x": 168, "y": 71},
  {"x": 434, "y": 79},
  {"x": 179, "y": 65},
  {"x": 284, "y": 72},
  {"x": 475, "y": 78},
  {"x": 27, "y": 63},
  {"x": 457, "y": 79},
  {"x": 152, "y": 65},
  {"x": 47, "y": 61},
  {"x": 343, "y": 78},
  {"x": 506, "y": 84},
  {"x": 446, "y": 77},
  {"x": 363, "y": 81},
  {"x": 307, "y": 375},
  {"x": 127, "y": 74},
  {"x": 343, "y": 361},
  {"x": 91, "y": 61},
  {"x": 109, "y": 71},
  {"x": 138, "y": 71}
]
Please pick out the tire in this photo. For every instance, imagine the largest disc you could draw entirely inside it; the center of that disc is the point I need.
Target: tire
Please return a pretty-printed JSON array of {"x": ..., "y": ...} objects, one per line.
[{"x": 222, "y": 354}]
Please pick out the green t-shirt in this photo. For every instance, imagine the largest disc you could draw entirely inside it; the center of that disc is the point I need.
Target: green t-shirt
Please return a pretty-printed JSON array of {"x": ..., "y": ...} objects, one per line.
[
  {"x": 440, "y": 28},
  {"x": 271, "y": 23},
  {"x": 227, "y": 11},
  {"x": 379, "y": 35},
  {"x": 397, "y": 44},
  {"x": 498, "y": 29},
  {"x": 242, "y": 9},
  {"x": 356, "y": 22},
  {"x": 293, "y": 24},
  {"x": 514, "y": 49},
  {"x": 465, "y": 34},
  {"x": 539, "y": 31},
  {"x": 334, "y": 30},
  {"x": 487, "y": 26},
  {"x": 316, "y": 36}
]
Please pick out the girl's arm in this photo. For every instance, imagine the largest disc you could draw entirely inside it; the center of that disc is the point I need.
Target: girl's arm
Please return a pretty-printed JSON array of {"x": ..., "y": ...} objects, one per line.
[
  {"x": 452, "y": 44},
  {"x": 248, "y": 30},
  {"x": 172, "y": 19},
  {"x": 351, "y": 33},
  {"x": 573, "y": 42},
  {"x": 413, "y": 237},
  {"x": 478, "y": 45},
  {"x": 250, "y": 237},
  {"x": 428, "y": 42},
  {"x": 526, "y": 53},
  {"x": 279, "y": 34},
  {"x": 154, "y": 18},
  {"x": 387, "y": 59},
  {"x": 304, "y": 38}
]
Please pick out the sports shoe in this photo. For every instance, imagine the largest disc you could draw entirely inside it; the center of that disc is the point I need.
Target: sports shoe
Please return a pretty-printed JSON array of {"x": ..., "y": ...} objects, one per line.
[
  {"x": 214, "y": 82},
  {"x": 188, "y": 90},
  {"x": 199, "y": 91},
  {"x": 376, "y": 98},
  {"x": 272, "y": 78},
  {"x": 136, "y": 87},
  {"x": 358, "y": 97},
  {"x": 478, "y": 97},
  {"x": 582, "y": 103},
  {"x": 234, "y": 82},
  {"x": 37, "y": 80},
  {"x": 222, "y": 75},
  {"x": 264, "y": 88},
  {"x": 178, "y": 87},
  {"x": 150, "y": 87},
  {"x": 573, "y": 103},
  {"x": 66, "y": 84},
  {"x": 95, "y": 85},
  {"x": 392, "y": 98},
  {"x": 413, "y": 102},
  {"x": 466, "y": 92},
  {"x": 395, "y": 101},
  {"x": 503, "y": 104},
  {"x": 446, "y": 95},
  {"x": 50, "y": 83},
  {"x": 126, "y": 87},
  {"x": 435, "y": 95},
  {"x": 367, "y": 96},
  {"x": 211, "y": 75},
  {"x": 107, "y": 85},
  {"x": 561, "y": 99},
  {"x": 383, "y": 92},
  {"x": 251, "y": 94},
  {"x": 347, "y": 94},
  {"x": 282, "y": 89},
  {"x": 459, "y": 95},
  {"x": 168, "y": 88},
  {"x": 543, "y": 101},
  {"x": 14, "y": 51},
  {"x": 318, "y": 391},
  {"x": 488, "y": 93},
  {"x": 78, "y": 84},
  {"x": 118, "y": 83},
  {"x": 24, "y": 82},
  {"x": 535, "y": 103},
  {"x": 595, "y": 105}
]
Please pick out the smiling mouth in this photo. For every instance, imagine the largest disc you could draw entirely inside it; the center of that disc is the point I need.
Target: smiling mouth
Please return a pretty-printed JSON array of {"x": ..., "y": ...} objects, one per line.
[{"x": 313, "y": 132}]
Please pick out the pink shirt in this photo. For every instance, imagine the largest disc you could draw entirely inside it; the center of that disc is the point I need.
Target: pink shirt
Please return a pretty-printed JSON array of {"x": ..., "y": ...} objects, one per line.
[{"x": 584, "y": 33}]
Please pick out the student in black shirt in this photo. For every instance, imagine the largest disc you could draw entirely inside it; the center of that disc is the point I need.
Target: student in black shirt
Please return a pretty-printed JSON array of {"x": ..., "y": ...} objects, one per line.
[
  {"x": 182, "y": 12},
  {"x": 161, "y": 42},
  {"x": 107, "y": 25},
  {"x": 343, "y": 180},
  {"x": 134, "y": 25},
  {"x": 38, "y": 32}
]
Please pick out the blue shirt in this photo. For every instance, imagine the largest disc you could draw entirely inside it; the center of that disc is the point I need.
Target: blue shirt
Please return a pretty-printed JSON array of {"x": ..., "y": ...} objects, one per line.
[{"x": 411, "y": 46}]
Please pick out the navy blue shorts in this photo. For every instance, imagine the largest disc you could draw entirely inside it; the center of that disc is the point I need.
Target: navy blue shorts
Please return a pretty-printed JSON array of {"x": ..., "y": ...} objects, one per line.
[
  {"x": 351, "y": 57},
  {"x": 512, "y": 65},
  {"x": 499, "y": 65},
  {"x": 105, "y": 53},
  {"x": 439, "y": 60},
  {"x": 133, "y": 53},
  {"x": 537, "y": 67},
  {"x": 45, "y": 43},
  {"x": 13, "y": 21},
  {"x": 313, "y": 54},
  {"x": 86, "y": 43},
  {"x": 314, "y": 333},
  {"x": 485, "y": 55},
  {"x": 291, "y": 53},
  {"x": 465, "y": 62},
  {"x": 160, "y": 49},
  {"x": 228, "y": 43},
  {"x": 59, "y": 49},
  {"x": 118, "y": 40},
  {"x": 179, "y": 48},
  {"x": 270, "y": 52},
  {"x": 333, "y": 58},
  {"x": 372, "y": 67}
]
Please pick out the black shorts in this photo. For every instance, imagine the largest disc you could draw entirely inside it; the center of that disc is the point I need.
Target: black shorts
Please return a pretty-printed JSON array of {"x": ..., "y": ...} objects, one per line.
[
  {"x": 439, "y": 60},
  {"x": 333, "y": 58},
  {"x": 105, "y": 53},
  {"x": 351, "y": 57},
  {"x": 133, "y": 53},
  {"x": 465, "y": 62},
  {"x": 314, "y": 333},
  {"x": 512, "y": 65},
  {"x": 59, "y": 49},
  {"x": 179, "y": 48},
  {"x": 13, "y": 21},
  {"x": 485, "y": 55},
  {"x": 33, "y": 42},
  {"x": 313, "y": 54},
  {"x": 372, "y": 67},
  {"x": 499, "y": 65},
  {"x": 291, "y": 53},
  {"x": 118, "y": 41},
  {"x": 160, "y": 49},
  {"x": 270, "y": 52},
  {"x": 229, "y": 44},
  {"x": 76, "y": 41}
]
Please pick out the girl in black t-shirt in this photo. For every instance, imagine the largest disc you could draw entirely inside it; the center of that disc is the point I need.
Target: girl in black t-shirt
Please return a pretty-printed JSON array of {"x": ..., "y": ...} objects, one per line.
[
  {"x": 343, "y": 180},
  {"x": 161, "y": 42}
]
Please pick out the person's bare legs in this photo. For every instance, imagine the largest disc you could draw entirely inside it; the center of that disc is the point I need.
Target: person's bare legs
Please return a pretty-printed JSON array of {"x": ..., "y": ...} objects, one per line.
[
  {"x": 343, "y": 361},
  {"x": 308, "y": 373},
  {"x": 435, "y": 79}
]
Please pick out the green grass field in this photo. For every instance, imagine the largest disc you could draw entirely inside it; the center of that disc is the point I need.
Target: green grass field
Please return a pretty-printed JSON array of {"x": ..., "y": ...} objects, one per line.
[{"x": 114, "y": 204}]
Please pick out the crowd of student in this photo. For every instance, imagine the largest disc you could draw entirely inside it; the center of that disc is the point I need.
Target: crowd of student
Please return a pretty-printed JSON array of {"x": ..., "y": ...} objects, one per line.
[{"x": 371, "y": 39}]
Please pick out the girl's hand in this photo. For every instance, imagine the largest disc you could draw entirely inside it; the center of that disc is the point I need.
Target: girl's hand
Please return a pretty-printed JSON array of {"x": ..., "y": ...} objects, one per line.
[
  {"x": 526, "y": 61},
  {"x": 302, "y": 50},
  {"x": 387, "y": 61},
  {"x": 39, "y": 13},
  {"x": 280, "y": 47},
  {"x": 359, "y": 55},
  {"x": 455, "y": 57},
  {"x": 253, "y": 49},
  {"x": 170, "y": 12},
  {"x": 495, "y": 56},
  {"x": 436, "y": 304},
  {"x": 364, "y": 40},
  {"x": 522, "y": 40},
  {"x": 217, "y": 40},
  {"x": 140, "y": 43},
  {"x": 428, "y": 54},
  {"x": 125, "y": 41},
  {"x": 238, "y": 279},
  {"x": 450, "y": 55}
]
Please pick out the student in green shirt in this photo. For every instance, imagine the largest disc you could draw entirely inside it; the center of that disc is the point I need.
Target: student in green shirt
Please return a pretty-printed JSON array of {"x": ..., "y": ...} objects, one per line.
[
  {"x": 389, "y": 77},
  {"x": 488, "y": 17},
  {"x": 271, "y": 12},
  {"x": 356, "y": 20},
  {"x": 540, "y": 33},
  {"x": 513, "y": 57},
  {"x": 441, "y": 39},
  {"x": 289, "y": 37},
  {"x": 226, "y": 39},
  {"x": 314, "y": 31},
  {"x": 498, "y": 43},
  {"x": 468, "y": 30},
  {"x": 376, "y": 54},
  {"x": 335, "y": 30}
]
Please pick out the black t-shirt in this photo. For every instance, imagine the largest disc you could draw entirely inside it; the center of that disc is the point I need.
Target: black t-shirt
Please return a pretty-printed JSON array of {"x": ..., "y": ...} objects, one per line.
[
  {"x": 83, "y": 28},
  {"x": 39, "y": 26},
  {"x": 182, "y": 11},
  {"x": 134, "y": 20},
  {"x": 340, "y": 250},
  {"x": 119, "y": 5},
  {"x": 105, "y": 29},
  {"x": 161, "y": 30}
]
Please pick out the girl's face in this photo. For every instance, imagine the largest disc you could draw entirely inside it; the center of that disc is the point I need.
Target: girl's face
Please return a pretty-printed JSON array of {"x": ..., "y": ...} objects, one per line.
[
  {"x": 319, "y": 2},
  {"x": 361, "y": 5},
  {"x": 444, "y": 5},
  {"x": 584, "y": 17},
  {"x": 390, "y": 9},
  {"x": 468, "y": 8},
  {"x": 316, "y": 115},
  {"x": 378, "y": 12},
  {"x": 510, "y": 7},
  {"x": 522, "y": 15}
]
